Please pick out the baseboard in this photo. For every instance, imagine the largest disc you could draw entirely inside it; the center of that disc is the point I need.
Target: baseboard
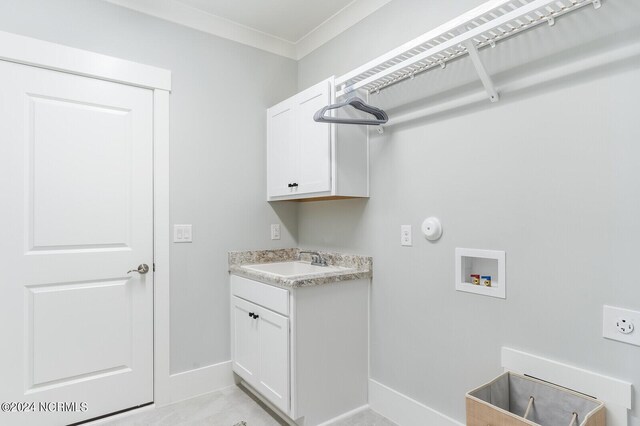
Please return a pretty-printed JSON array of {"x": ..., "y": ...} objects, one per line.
[
  {"x": 344, "y": 416},
  {"x": 403, "y": 410},
  {"x": 200, "y": 381}
]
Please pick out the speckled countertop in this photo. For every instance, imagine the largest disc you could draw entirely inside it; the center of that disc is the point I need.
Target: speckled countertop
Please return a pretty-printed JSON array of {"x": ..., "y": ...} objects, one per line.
[{"x": 357, "y": 267}]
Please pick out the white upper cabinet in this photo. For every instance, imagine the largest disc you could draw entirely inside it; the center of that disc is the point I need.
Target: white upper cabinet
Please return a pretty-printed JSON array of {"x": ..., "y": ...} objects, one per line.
[
  {"x": 312, "y": 140},
  {"x": 280, "y": 151},
  {"x": 310, "y": 160}
]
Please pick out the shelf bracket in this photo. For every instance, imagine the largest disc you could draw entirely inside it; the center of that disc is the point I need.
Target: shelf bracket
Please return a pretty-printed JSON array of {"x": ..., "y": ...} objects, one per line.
[
  {"x": 482, "y": 72},
  {"x": 347, "y": 90}
]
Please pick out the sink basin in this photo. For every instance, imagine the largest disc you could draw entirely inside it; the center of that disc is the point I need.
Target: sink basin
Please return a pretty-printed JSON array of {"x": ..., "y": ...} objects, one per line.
[{"x": 290, "y": 269}]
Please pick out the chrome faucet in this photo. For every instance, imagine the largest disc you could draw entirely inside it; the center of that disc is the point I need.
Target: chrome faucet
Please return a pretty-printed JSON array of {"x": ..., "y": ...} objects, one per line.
[{"x": 316, "y": 258}]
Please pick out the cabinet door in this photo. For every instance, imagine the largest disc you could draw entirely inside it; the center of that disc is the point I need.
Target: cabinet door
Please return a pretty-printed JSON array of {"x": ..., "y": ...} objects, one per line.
[
  {"x": 281, "y": 155},
  {"x": 313, "y": 140},
  {"x": 245, "y": 340},
  {"x": 274, "y": 358}
]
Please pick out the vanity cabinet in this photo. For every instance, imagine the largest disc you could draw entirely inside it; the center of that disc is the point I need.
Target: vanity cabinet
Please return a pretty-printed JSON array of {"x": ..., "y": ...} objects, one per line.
[
  {"x": 310, "y": 160},
  {"x": 304, "y": 350}
]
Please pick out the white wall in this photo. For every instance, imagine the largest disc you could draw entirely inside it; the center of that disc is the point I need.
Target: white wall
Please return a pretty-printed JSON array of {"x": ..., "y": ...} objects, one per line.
[
  {"x": 220, "y": 93},
  {"x": 549, "y": 174}
]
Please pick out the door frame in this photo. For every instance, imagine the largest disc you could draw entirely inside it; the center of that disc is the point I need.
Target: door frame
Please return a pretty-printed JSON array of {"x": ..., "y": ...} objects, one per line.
[{"x": 43, "y": 54}]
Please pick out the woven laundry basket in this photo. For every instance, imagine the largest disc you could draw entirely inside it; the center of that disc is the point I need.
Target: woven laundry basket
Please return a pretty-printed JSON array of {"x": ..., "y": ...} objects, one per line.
[{"x": 515, "y": 400}]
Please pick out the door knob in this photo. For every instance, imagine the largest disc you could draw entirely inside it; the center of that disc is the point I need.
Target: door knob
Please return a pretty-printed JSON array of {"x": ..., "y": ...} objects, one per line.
[{"x": 142, "y": 269}]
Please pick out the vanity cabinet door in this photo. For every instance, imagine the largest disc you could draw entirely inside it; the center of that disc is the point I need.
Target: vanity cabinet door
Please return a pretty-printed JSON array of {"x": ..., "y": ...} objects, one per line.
[
  {"x": 274, "y": 380},
  {"x": 260, "y": 350},
  {"x": 245, "y": 340}
]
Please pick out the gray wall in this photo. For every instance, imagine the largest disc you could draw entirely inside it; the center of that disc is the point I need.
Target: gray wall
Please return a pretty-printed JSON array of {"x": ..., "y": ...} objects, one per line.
[
  {"x": 220, "y": 92},
  {"x": 550, "y": 175}
]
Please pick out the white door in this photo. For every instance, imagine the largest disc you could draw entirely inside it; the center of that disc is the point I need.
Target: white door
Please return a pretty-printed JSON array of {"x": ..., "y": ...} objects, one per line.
[
  {"x": 244, "y": 340},
  {"x": 273, "y": 330},
  {"x": 313, "y": 140},
  {"x": 281, "y": 158},
  {"x": 76, "y": 211}
]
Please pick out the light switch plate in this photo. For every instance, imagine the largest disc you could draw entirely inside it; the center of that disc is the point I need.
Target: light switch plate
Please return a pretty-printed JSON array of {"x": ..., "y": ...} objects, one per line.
[
  {"x": 406, "y": 235},
  {"x": 275, "y": 231},
  {"x": 621, "y": 324},
  {"x": 182, "y": 234}
]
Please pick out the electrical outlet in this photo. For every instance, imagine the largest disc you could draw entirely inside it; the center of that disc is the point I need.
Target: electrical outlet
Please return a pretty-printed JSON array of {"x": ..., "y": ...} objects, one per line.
[
  {"x": 406, "y": 235},
  {"x": 621, "y": 324},
  {"x": 624, "y": 325},
  {"x": 275, "y": 231},
  {"x": 182, "y": 234}
]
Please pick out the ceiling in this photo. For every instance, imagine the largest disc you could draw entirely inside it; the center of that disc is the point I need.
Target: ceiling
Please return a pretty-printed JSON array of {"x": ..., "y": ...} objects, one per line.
[{"x": 291, "y": 28}]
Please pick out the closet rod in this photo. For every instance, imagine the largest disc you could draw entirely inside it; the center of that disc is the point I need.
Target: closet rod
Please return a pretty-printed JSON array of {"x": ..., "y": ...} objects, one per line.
[{"x": 606, "y": 57}]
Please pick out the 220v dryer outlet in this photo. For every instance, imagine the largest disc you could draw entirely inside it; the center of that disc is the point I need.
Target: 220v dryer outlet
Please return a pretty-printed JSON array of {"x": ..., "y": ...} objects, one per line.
[{"x": 621, "y": 324}]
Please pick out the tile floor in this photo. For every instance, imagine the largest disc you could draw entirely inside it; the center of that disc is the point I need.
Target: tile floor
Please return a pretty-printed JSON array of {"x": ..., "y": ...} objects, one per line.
[{"x": 226, "y": 408}]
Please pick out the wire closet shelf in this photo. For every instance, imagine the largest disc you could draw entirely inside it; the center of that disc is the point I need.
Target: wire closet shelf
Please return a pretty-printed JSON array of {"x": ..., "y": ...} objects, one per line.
[{"x": 481, "y": 27}]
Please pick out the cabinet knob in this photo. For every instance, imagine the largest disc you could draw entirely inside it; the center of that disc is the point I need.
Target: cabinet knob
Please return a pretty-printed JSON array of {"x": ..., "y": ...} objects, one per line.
[
  {"x": 290, "y": 185},
  {"x": 256, "y": 316},
  {"x": 251, "y": 314},
  {"x": 294, "y": 185}
]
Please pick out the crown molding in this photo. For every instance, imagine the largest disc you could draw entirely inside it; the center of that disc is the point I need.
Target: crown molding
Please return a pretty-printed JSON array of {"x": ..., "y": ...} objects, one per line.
[
  {"x": 182, "y": 14},
  {"x": 341, "y": 21}
]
